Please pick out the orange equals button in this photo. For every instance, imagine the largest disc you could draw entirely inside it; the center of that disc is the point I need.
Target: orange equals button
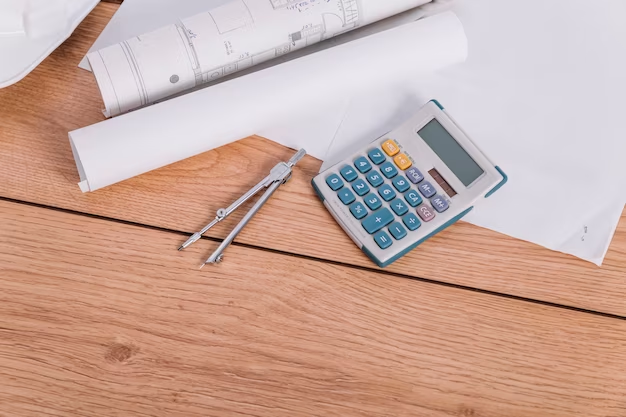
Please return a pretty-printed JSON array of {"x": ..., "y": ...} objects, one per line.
[{"x": 390, "y": 147}]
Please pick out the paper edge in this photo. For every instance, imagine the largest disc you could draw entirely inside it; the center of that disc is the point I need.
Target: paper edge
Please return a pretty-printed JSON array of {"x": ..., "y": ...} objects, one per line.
[
  {"x": 84, "y": 182},
  {"x": 613, "y": 224},
  {"x": 610, "y": 238},
  {"x": 105, "y": 93}
]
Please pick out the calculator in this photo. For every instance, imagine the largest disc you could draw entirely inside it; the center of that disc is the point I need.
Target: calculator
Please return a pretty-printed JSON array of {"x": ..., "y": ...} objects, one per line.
[{"x": 408, "y": 185}]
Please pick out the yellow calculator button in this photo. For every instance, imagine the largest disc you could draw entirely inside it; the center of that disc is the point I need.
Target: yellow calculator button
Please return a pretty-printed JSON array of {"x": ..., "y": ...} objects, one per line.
[
  {"x": 390, "y": 147},
  {"x": 402, "y": 161}
]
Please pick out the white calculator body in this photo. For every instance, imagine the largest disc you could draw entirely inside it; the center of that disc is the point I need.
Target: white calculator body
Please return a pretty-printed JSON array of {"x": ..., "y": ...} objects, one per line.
[{"x": 408, "y": 185}]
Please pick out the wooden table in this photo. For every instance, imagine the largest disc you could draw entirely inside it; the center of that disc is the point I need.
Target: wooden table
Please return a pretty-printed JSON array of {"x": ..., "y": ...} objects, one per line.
[{"x": 101, "y": 316}]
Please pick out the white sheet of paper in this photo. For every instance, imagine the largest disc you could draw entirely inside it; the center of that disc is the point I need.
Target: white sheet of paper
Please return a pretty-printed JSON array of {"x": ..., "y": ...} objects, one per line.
[
  {"x": 542, "y": 93},
  {"x": 146, "y": 139}
]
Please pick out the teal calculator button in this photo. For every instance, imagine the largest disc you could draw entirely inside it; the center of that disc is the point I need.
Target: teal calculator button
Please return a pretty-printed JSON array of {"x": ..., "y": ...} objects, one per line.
[
  {"x": 360, "y": 187},
  {"x": 386, "y": 192},
  {"x": 348, "y": 173},
  {"x": 401, "y": 184},
  {"x": 411, "y": 221},
  {"x": 389, "y": 170},
  {"x": 413, "y": 198},
  {"x": 376, "y": 156},
  {"x": 358, "y": 210},
  {"x": 383, "y": 240},
  {"x": 346, "y": 196},
  {"x": 399, "y": 207},
  {"x": 372, "y": 201},
  {"x": 377, "y": 220},
  {"x": 375, "y": 179},
  {"x": 363, "y": 165},
  {"x": 334, "y": 182},
  {"x": 397, "y": 231}
]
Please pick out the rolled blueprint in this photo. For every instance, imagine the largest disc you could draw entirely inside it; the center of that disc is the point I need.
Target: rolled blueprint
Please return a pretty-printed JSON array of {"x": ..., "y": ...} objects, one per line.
[
  {"x": 237, "y": 35},
  {"x": 167, "y": 132}
]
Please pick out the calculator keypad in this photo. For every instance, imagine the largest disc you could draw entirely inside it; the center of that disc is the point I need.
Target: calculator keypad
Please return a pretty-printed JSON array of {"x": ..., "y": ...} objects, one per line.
[{"x": 392, "y": 205}]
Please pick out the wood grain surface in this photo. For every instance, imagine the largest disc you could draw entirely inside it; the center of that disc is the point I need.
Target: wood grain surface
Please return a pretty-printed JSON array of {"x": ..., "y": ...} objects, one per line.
[
  {"x": 36, "y": 165},
  {"x": 99, "y": 318}
]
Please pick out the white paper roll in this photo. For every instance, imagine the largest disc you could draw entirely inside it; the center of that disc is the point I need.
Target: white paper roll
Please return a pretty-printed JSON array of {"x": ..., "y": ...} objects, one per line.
[{"x": 138, "y": 142}]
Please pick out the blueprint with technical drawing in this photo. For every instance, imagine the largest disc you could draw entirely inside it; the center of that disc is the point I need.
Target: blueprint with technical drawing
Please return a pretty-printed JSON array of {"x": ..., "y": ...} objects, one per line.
[{"x": 234, "y": 36}]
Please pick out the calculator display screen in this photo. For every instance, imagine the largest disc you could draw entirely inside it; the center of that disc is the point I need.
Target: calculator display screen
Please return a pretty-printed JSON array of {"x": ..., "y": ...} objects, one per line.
[{"x": 450, "y": 152}]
